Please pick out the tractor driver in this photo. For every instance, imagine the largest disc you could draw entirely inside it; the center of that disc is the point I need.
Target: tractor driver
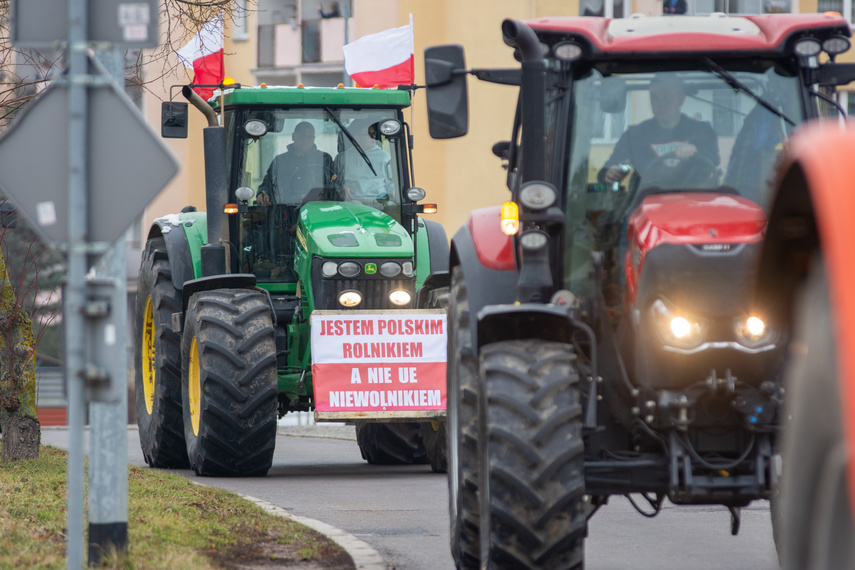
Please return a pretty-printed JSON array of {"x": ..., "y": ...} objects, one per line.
[
  {"x": 669, "y": 132},
  {"x": 292, "y": 174}
]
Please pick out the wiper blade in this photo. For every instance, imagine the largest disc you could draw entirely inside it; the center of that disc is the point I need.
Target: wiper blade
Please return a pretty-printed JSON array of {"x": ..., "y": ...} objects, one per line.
[
  {"x": 351, "y": 139},
  {"x": 731, "y": 80}
]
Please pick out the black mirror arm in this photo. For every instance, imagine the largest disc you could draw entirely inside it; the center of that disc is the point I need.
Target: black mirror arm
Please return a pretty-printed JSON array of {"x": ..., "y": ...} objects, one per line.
[{"x": 833, "y": 74}]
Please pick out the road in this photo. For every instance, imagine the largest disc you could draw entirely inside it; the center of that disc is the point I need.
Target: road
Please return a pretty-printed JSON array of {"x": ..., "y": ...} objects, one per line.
[{"x": 402, "y": 512}]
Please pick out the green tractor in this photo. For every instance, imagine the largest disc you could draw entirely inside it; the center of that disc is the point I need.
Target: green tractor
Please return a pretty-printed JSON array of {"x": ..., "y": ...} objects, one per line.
[{"x": 319, "y": 220}]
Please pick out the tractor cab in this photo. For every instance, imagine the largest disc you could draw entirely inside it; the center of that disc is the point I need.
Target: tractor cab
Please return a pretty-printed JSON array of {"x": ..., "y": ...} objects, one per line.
[{"x": 352, "y": 160}]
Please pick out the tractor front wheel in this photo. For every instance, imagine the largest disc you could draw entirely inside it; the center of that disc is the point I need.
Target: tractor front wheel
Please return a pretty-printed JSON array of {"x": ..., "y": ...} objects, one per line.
[
  {"x": 157, "y": 359},
  {"x": 230, "y": 384},
  {"x": 818, "y": 522},
  {"x": 532, "y": 483},
  {"x": 390, "y": 443}
]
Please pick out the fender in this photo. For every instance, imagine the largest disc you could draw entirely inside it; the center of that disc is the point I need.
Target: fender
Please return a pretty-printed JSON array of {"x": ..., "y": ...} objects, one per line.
[
  {"x": 525, "y": 320},
  {"x": 813, "y": 206},
  {"x": 179, "y": 231},
  {"x": 485, "y": 285},
  {"x": 437, "y": 246},
  {"x": 494, "y": 248}
]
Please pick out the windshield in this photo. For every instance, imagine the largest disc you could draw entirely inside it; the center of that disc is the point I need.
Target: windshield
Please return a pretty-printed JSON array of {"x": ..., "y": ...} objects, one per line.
[
  {"x": 306, "y": 156},
  {"x": 642, "y": 132}
]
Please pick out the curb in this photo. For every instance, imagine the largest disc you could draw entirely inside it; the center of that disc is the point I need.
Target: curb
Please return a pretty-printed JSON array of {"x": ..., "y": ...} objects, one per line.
[{"x": 364, "y": 557}]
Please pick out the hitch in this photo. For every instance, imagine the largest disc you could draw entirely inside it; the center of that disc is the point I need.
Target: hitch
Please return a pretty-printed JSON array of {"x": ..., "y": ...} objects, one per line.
[{"x": 735, "y": 519}]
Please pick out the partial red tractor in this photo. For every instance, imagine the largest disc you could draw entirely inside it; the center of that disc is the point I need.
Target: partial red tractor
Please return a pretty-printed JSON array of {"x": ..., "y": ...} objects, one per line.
[
  {"x": 807, "y": 280},
  {"x": 602, "y": 335}
]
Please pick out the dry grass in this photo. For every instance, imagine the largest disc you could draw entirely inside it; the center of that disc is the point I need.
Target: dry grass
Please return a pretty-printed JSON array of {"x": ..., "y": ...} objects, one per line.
[{"x": 172, "y": 523}]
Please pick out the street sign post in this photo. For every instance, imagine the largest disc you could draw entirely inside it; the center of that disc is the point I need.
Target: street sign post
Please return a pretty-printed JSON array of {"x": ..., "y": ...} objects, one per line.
[{"x": 82, "y": 164}]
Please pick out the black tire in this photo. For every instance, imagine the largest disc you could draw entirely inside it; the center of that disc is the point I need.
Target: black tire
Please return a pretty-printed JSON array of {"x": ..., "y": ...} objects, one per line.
[
  {"x": 462, "y": 429},
  {"x": 434, "y": 434},
  {"x": 532, "y": 485},
  {"x": 390, "y": 443},
  {"x": 436, "y": 445},
  {"x": 157, "y": 362},
  {"x": 229, "y": 366},
  {"x": 818, "y": 521}
]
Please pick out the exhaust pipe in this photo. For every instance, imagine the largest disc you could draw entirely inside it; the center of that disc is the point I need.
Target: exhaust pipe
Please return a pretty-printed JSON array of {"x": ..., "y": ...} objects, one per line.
[
  {"x": 216, "y": 187},
  {"x": 520, "y": 36}
]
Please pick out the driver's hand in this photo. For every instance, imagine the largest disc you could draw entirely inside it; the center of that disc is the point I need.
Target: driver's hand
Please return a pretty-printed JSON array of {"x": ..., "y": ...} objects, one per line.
[
  {"x": 685, "y": 151},
  {"x": 262, "y": 199},
  {"x": 614, "y": 174},
  {"x": 347, "y": 193}
]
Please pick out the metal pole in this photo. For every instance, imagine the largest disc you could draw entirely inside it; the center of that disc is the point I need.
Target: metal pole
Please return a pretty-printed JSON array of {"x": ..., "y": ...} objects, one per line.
[
  {"x": 108, "y": 442},
  {"x": 347, "y": 82},
  {"x": 75, "y": 291}
]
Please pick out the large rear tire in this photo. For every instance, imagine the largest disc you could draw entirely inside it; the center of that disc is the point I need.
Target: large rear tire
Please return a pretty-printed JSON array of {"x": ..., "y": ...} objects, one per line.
[
  {"x": 532, "y": 485},
  {"x": 436, "y": 445},
  {"x": 230, "y": 387},
  {"x": 157, "y": 360},
  {"x": 818, "y": 526},
  {"x": 390, "y": 443},
  {"x": 462, "y": 429}
]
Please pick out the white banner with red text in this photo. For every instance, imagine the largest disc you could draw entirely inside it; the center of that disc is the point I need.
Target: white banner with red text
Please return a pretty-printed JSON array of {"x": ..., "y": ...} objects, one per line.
[{"x": 382, "y": 365}]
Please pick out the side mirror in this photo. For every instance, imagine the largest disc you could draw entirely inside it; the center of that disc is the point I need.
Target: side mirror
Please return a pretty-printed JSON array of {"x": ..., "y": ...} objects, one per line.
[
  {"x": 447, "y": 98},
  {"x": 173, "y": 120}
]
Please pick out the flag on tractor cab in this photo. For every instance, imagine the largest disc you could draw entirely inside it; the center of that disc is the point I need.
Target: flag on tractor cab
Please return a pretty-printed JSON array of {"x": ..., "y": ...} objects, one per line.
[
  {"x": 204, "y": 55},
  {"x": 384, "y": 59}
]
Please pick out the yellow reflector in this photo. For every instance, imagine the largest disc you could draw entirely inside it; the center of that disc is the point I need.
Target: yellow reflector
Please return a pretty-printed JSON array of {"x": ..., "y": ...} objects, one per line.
[
  {"x": 230, "y": 209},
  {"x": 228, "y": 81},
  {"x": 510, "y": 218},
  {"x": 430, "y": 209},
  {"x": 341, "y": 85}
]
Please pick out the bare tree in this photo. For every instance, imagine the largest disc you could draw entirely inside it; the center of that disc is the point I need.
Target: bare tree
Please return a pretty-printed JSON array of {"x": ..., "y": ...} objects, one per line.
[{"x": 24, "y": 73}]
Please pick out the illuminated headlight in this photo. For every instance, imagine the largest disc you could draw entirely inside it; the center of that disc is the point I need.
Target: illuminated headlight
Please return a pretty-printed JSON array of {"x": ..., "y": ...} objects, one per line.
[
  {"x": 349, "y": 269},
  {"x": 753, "y": 332},
  {"x": 537, "y": 195},
  {"x": 675, "y": 329},
  {"x": 329, "y": 268},
  {"x": 407, "y": 268},
  {"x": 400, "y": 298},
  {"x": 350, "y": 298},
  {"x": 390, "y": 269}
]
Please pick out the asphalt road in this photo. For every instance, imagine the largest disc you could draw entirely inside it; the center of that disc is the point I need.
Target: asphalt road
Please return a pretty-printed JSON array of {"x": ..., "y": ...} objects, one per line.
[{"x": 402, "y": 512}]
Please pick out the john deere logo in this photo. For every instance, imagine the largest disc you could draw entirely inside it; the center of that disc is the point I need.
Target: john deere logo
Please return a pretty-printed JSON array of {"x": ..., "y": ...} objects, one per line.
[{"x": 370, "y": 268}]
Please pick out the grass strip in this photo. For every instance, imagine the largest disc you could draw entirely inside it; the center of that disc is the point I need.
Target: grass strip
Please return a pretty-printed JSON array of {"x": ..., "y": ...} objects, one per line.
[{"x": 172, "y": 523}]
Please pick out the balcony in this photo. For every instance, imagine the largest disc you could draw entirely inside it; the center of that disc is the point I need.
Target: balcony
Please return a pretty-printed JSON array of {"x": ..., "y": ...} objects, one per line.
[{"x": 306, "y": 44}]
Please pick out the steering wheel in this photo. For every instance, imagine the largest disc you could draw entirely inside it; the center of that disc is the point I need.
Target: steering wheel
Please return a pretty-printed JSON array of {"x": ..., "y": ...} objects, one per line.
[{"x": 669, "y": 171}]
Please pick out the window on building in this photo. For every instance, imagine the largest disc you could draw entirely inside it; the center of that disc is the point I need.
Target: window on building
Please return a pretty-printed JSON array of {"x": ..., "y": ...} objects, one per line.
[
  {"x": 604, "y": 8},
  {"x": 241, "y": 30}
]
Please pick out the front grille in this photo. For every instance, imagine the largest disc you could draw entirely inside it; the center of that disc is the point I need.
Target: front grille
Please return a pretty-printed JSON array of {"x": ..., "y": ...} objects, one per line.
[{"x": 375, "y": 289}]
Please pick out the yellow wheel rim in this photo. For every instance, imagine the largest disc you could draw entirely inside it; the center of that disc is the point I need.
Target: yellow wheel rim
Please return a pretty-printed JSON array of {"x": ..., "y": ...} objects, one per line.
[
  {"x": 148, "y": 356},
  {"x": 194, "y": 387}
]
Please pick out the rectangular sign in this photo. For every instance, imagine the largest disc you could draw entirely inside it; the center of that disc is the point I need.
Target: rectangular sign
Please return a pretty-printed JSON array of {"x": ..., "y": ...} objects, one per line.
[{"x": 379, "y": 364}]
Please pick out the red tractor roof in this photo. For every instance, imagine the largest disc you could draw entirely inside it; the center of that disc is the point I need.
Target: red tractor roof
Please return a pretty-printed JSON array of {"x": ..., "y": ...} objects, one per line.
[{"x": 717, "y": 32}]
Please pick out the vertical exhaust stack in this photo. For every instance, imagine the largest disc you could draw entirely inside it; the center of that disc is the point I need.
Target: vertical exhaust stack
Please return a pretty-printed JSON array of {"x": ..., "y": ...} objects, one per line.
[{"x": 216, "y": 187}]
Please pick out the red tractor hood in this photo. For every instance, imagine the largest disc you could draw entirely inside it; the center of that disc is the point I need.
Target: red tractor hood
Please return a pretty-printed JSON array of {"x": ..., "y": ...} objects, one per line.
[{"x": 711, "y": 222}]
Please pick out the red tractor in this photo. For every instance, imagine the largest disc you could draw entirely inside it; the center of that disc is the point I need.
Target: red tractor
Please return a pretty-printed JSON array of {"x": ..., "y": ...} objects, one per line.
[
  {"x": 806, "y": 279},
  {"x": 602, "y": 334}
]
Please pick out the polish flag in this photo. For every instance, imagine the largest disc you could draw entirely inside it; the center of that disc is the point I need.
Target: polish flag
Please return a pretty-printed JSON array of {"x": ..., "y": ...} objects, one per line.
[
  {"x": 204, "y": 55},
  {"x": 384, "y": 59}
]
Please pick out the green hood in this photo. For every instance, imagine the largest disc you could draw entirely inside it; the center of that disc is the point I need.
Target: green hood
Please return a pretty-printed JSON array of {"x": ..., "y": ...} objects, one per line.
[{"x": 346, "y": 229}]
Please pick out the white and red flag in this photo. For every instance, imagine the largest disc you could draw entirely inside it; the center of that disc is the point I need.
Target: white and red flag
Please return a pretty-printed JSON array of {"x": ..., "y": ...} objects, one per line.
[
  {"x": 384, "y": 59},
  {"x": 204, "y": 55}
]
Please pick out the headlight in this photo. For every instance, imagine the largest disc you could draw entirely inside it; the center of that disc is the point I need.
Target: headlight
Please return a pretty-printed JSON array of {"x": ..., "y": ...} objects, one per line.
[
  {"x": 537, "y": 195},
  {"x": 683, "y": 331},
  {"x": 400, "y": 298},
  {"x": 329, "y": 268},
  {"x": 407, "y": 268},
  {"x": 350, "y": 298},
  {"x": 390, "y": 269},
  {"x": 753, "y": 332},
  {"x": 255, "y": 128},
  {"x": 349, "y": 269}
]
